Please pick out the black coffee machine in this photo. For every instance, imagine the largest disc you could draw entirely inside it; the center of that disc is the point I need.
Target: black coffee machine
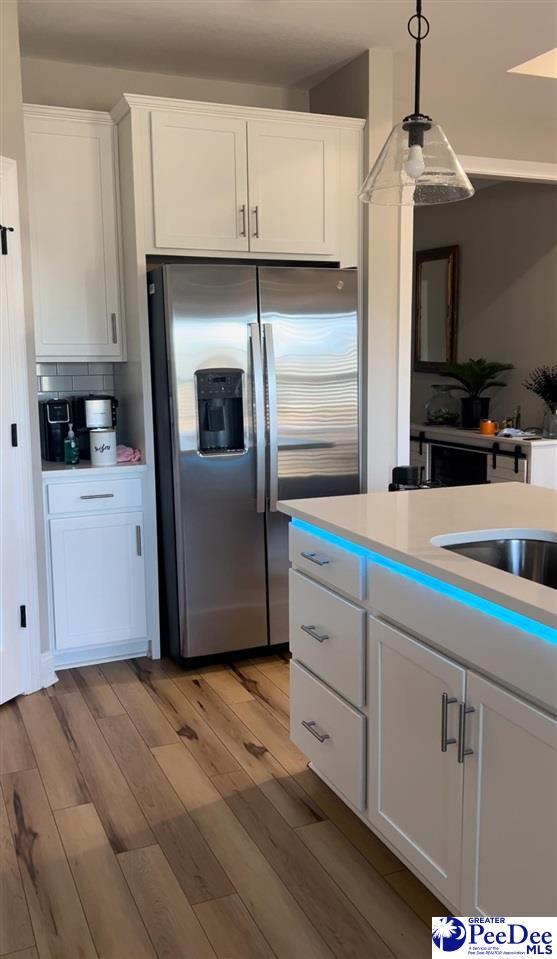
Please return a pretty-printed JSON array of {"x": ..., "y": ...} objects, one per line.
[{"x": 54, "y": 420}]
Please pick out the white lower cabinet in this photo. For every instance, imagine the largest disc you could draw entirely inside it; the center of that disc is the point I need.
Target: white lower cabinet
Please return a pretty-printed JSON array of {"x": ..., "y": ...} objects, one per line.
[
  {"x": 98, "y": 579},
  {"x": 414, "y": 785},
  {"x": 510, "y": 806}
]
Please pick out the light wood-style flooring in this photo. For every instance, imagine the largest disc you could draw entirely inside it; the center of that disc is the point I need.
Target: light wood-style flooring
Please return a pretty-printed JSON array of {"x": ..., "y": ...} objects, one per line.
[{"x": 150, "y": 811}]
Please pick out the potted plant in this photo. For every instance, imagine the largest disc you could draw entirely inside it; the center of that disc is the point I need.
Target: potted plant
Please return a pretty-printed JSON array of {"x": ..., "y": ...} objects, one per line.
[
  {"x": 542, "y": 381},
  {"x": 474, "y": 377}
]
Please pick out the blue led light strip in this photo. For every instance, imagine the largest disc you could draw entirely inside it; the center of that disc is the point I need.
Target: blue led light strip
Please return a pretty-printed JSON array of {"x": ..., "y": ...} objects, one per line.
[{"x": 532, "y": 626}]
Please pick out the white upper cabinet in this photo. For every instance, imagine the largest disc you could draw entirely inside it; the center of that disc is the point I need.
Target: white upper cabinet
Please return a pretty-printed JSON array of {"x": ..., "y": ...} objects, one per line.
[
  {"x": 293, "y": 187},
  {"x": 74, "y": 236},
  {"x": 200, "y": 187}
]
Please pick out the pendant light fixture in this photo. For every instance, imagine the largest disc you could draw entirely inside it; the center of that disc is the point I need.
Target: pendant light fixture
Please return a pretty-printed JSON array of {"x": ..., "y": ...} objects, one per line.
[{"x": 417, "y": 165}]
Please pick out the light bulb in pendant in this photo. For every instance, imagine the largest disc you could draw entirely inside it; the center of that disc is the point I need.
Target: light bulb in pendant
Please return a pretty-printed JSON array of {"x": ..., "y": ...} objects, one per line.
[{"x": 415, "y": 165}]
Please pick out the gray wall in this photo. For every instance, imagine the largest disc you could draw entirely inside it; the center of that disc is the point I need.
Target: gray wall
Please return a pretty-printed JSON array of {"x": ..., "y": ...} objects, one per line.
[
  {"x": 79, "y": 85},
  {"x": 507, "y": 235}
]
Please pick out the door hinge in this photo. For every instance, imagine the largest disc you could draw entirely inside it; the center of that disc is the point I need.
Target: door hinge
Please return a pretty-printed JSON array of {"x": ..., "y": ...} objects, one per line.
[
  {"x": 4, "y": 230},
  {"x": 14, "y": 434},
  {"x": 23, "y": 617}
]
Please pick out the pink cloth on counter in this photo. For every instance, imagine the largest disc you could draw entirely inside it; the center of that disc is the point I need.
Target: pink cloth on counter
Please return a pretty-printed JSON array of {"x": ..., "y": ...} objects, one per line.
[{"x": 127, "y": 454}]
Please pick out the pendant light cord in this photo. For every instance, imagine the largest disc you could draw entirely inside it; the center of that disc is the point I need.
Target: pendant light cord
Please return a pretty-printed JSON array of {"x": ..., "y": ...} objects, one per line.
[{"x": 422, "y": 30}]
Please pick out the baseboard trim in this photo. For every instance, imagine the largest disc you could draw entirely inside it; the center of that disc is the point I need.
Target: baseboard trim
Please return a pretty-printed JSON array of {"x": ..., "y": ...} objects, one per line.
[
  {"x": 100, "y": 654},
  {"x": 48, "y": 676}
]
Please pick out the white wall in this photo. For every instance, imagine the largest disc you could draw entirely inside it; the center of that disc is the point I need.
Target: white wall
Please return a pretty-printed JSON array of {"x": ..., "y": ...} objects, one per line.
[
  {"x": 507, "y": 235},
  {"x": 57, "y": 83}
]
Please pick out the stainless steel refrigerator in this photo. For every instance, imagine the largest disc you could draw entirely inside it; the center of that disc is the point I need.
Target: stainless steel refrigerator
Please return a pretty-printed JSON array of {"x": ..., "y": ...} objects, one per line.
[{"x": 255, "y": 396}]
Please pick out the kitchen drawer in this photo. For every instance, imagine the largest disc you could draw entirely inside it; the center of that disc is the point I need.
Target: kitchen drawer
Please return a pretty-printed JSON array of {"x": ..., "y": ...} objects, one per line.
[
  {"x": 330, "y": 733},
  {"x": 321, "y": 559},
  {"x": 94, "y": 496},
  {"x": 327, "y": 634}
]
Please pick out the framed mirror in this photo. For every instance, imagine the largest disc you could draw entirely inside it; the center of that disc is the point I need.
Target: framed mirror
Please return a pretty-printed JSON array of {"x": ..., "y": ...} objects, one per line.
[{"x": 435, "y": 308}]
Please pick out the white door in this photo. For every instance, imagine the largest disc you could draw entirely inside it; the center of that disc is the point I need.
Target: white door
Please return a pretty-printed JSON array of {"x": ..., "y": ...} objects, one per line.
[
  {"x": 74, "y": 248},
  {"x": 199, "y": 181},
  {"x": 415, "y": 788},
  {"x": 293, "y": 187},
  {"x": 98, "y": 579},
  {"x": 19, "y": 640},
  {"x": 510, "y": 806}
]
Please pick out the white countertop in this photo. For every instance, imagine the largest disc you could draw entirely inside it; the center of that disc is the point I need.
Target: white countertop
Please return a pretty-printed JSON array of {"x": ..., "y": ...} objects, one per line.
[
  {"x": 402, "y": 525},
  {"x": 84, "y": 467},
  {"x": 455, "y": 434}
]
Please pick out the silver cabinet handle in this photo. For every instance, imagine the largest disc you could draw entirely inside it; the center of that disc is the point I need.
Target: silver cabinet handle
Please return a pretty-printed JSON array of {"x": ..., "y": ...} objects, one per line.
[
  {"x": 272, "y": 418},
  {"x": 256, "y": 222},
  {"x": 98, "y": 496},
  {"x": 463, "y": 712},
  {"x": 244, "y": 229},
  {"x": 138, "y": 546},
  {"x": 446, "y": 700},
  {"x": 311, "y": 727},
  {"x": 314, "y": 558},
  {"x": 311, "y": 631},
  {"x": 259, "y": 416},
  {"x": 114, "y": 328}
]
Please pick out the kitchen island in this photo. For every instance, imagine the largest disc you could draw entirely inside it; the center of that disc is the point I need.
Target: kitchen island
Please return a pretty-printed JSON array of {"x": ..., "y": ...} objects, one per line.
[{"x": 424, "y": 684}]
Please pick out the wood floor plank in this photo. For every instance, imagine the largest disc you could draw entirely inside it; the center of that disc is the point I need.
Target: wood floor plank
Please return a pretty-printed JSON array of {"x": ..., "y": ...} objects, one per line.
[
  {"x": 231, "y": 929},
  {"x": 123, "y": 821},
  {"x": 274, "y": 909},
  {"x": 23, "y": 954},
  {"x": 61, "y": 777},
  {"x": 97, "y": 691},
  {"x": 58, "y": 921},
  {"x": 195, "y": 733},
  {"x": 15, "y": 748},
  {"x": 278, "y": 672},
  {"x": 173, "y": 926},
  {"x": 223, "y": 681},
  {"x": 397, "y": 924},
  {"x": 196, "y": 868},
  {"x": 113, "y": 917},
  {"x": 285, "y": 794},
  {"x": 145, "y": 714},
  {"x": 264, "y": 690},
  {"x": 418, "y": 896},
  {"x": 343, "y": 927},
  {"x": 15, "y": 923},
  {"x": 333, "y": 808},
  {"x": 274, "y": 736}
]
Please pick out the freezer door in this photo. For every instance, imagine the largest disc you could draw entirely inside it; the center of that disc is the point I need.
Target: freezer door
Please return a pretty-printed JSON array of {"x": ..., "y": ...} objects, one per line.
[
  {"x": 310, "y": 330},
  {"x": 212, "y": 324}
]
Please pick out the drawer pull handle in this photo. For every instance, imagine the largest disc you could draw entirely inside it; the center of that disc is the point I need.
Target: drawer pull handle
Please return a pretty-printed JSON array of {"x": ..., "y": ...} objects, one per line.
[
  {"x": 446, "y": 700},
  {"x": 463, "y": 711},
  {"x": 98, "y": 496},
  {"x": 311, "y": 727},
  {"x": 311, "y": 631},
  {"x": 315, "y": 558},
  {"x": 138, "y": 544}
]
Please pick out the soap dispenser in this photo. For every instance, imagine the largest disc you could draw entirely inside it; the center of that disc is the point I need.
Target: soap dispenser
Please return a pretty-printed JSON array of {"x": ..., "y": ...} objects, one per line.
[{"x": 71, "y": 448}]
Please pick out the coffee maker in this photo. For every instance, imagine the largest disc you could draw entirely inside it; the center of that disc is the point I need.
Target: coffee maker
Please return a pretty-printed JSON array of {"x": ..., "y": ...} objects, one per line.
[
  {"x": 92, "y": 413},
  {"x": 54, "y": 420}
]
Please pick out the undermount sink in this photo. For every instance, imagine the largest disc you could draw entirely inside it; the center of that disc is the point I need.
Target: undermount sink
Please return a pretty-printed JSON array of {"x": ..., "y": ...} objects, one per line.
[{"x": 534, "y": 559}]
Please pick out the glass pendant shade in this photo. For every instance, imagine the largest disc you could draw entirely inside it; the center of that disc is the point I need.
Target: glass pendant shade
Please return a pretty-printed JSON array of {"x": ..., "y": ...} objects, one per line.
[{"x": 418, "y": 175}]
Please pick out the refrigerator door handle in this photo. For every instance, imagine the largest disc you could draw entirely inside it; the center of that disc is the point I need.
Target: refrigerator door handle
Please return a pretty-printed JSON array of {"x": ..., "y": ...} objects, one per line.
[
  {"x": 259, "y": 416},
  {"x": 271, "y": 415}
]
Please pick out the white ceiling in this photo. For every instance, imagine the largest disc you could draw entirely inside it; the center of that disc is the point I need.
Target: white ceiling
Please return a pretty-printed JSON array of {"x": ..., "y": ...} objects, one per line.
[{"x": 296, "y": 42}]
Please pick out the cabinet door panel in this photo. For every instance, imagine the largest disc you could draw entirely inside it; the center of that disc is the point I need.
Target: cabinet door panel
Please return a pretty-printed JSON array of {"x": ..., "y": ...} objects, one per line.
[
  {"x": 415, "y": 789},
  {"x": 98, "y": 579},
  {"x": 293, "y": 187},
  {"x": 74, "y": 249},
  {"x": 510, "y": 806},
  {"x": 199, "y": 181}
]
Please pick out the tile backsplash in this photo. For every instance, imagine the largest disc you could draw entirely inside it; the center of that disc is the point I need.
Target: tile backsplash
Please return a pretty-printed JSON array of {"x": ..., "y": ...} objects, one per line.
[{"x": 57, "y": 380}]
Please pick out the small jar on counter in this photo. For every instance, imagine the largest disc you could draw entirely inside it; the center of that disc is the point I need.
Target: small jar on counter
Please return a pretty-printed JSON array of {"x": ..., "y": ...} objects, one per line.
[{"x": 103, "y": 447}]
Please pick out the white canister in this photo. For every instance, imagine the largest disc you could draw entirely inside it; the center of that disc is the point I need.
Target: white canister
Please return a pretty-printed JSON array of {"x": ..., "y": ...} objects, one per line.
[{"x": 102, "y": 444}]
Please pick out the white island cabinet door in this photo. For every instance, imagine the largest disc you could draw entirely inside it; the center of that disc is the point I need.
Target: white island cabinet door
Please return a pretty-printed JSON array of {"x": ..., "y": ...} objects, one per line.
[
  {"x": 199, "y": 181},
  {"x": 74, "y": 239},
  {"x": 415, "y": 788},
  {"x": 98, "y": 579},
  {"x": 293, "y": 187},
  {"x": 510, "y": 806}
]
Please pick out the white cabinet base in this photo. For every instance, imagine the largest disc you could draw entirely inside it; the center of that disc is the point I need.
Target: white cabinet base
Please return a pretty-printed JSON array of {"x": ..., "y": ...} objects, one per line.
[{"x": 107, "y": 653}]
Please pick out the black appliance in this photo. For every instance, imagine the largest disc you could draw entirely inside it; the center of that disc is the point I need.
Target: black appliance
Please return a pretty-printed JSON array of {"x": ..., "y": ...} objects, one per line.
[
  {"x": 54, "y": 420},
  {"x": 408, "y": 477},
  {"x": 220, "y": 410},
  {"x": 457, "y": 466}
]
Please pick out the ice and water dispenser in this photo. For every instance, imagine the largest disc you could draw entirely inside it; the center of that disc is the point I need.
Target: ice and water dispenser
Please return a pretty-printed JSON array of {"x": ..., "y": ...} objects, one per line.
[{"x": 220, "y": 410}]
